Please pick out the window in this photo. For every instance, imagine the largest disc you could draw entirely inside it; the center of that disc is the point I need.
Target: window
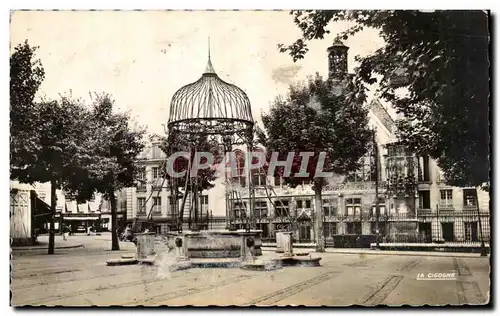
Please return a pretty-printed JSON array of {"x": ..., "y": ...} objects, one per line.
[
  {"x": 426, "y": 168},
  {"x": 157, "y": 152},
  {"x": 258, "y": 178},
  {"x": 329, "y": 229},
  {"x": 366, "y": 172},
  {"x": 171, "y": 203},
  {"x": 381, "y": 207},
  {"x": 282, "y": 208},
  {"x": 353, "y": 206},
  {"x": 204, "y": 204},
  {"x": 240, "y": 177},
  {"x": 354, "y": 228},
  {"x": 156, "y": 204},
  {"x": 265, "y": 230},
  {"x": 156, "y": 173},
  {"x": 424, "y": 198},
  {"x": 303, "y": 204},
  {"x": 471, "y": 231},
  {"x": 330, "y": 207},
  {"x": 470, "y": 197},
  {"x": 204, "y": 199},
  {"x": 141, "y": 174},
  {"x": 448, "y": 231},
  {"x": 446, "y": 198},
  {"x": 304, "y": 233},
  {"x": 239, "y": 209},
  {"x": 141, "y": 205},
  {"x": 398, "y": 150},
  {"x": 260, "y": 209}
]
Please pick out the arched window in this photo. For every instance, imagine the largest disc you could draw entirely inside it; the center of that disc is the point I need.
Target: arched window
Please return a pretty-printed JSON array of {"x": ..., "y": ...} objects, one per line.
[
  {"x": 239, "y": 177},
  {"x": 259, "y": 177},
  {"x": 366, "y": 172}
]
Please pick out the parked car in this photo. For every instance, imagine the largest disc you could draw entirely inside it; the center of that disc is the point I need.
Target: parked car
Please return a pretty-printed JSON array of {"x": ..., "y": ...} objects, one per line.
[{"x": 81, "y": 229}]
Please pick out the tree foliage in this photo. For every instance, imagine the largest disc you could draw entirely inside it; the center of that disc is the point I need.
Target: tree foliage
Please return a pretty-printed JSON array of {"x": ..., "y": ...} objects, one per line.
[
  {"x": 78, "y": 149},
  {"x": 53, "y": 144},
  {"x": 26, "y": 76},
  {"x": 107, "y": 158},
  {"x": 441, "y": 59},
  {"x": 313, "y": 118},
  {"x": 178, "y": 142},
  {"x": 106, "y": 161}
]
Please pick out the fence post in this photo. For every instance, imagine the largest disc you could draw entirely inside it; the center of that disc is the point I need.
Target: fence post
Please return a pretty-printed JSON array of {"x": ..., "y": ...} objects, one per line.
[
  {"x": 438, "y": 224},
  {"x": 483, "y": 247}
]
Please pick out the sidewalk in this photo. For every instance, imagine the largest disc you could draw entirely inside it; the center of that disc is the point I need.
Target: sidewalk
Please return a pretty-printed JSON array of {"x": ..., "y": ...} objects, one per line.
[
  {"x": 43, "y": 243},
  {"x": 358, "y": 251}
]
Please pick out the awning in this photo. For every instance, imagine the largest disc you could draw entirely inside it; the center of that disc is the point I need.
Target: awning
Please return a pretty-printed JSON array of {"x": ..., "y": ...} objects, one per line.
[
  {"x": 71, "y": 207},
  {"x": 39, "y": 208},
  {"x": 82, "y": 218}
]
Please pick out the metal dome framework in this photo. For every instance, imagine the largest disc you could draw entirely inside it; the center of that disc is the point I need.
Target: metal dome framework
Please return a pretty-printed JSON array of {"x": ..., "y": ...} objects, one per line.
[
  {"x": 215, "y": 110},
  {"x": 210, "y": 106}
]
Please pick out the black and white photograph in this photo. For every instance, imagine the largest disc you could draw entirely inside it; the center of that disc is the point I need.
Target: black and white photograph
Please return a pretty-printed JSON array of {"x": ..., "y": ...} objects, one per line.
[{"x": 270, "y": 158}]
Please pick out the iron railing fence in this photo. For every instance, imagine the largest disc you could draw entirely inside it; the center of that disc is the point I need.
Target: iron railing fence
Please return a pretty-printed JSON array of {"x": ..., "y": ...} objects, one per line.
[{"x": 360, "y": 231}]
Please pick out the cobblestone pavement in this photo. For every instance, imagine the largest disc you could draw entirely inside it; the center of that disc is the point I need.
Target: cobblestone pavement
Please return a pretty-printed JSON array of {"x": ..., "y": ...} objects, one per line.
[{"x": 76, "y": 277}]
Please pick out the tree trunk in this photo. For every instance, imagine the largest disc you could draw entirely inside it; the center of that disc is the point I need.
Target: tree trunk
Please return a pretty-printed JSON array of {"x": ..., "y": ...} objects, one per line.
[
  {"x": 114, "y": 222},
  {"x": 318, "y": 218},
  {"x": 53, "y": 202}
]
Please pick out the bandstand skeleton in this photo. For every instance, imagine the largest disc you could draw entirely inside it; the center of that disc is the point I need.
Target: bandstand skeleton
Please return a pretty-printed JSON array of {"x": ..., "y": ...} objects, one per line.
[{"x": 214, "y": 110}]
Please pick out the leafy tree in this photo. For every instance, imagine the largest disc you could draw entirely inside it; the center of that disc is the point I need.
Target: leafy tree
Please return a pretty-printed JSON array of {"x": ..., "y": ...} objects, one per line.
[
  {"x": 441, "y": 59},
  {"x": 314, "y": 119},
  {"x": 43, "y": 135},
  {"x": 26, "y": 76},
  {"x": 106, "y": 162},
  {"x": 50, "y": 155}
]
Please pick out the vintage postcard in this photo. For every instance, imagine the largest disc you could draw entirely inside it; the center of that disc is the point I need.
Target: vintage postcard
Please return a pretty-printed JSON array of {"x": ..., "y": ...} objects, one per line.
[{"x": 250, "y": 158}]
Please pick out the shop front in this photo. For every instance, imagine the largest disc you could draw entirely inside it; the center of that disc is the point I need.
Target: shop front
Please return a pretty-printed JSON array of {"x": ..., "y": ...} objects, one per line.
[{"x": 78, "y": 223}]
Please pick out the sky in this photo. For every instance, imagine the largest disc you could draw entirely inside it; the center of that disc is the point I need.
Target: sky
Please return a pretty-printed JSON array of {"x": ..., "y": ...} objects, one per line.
[{"x": 142, "y": 57}]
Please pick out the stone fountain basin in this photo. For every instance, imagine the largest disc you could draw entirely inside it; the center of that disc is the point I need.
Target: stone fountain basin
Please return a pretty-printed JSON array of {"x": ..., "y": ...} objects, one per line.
[{"x": 215, "y": 243}]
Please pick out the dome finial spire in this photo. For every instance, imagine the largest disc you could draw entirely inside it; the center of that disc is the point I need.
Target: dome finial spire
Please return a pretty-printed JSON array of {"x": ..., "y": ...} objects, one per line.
[{"x": 209, "y": 69}]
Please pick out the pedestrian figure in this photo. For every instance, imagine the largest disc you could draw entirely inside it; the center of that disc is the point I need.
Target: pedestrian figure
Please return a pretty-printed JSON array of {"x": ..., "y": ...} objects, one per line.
[
  {"x": 128, "y": 234},
  {"x": 65, "y": 232},
  {"x": 88, "y": 231}
]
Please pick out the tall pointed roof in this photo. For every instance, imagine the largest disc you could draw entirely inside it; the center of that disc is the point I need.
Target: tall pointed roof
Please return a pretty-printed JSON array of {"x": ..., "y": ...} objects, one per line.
[
  {"x": 212, "y": 104},
  {"x": 337, "y": 44},
  {"x": 209, "y": 69}
]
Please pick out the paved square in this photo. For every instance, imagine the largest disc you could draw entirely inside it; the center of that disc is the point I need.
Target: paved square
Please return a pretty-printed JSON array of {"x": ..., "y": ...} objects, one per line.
[{"x": 80, "y": 277}]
